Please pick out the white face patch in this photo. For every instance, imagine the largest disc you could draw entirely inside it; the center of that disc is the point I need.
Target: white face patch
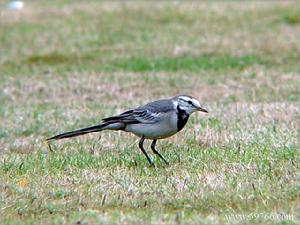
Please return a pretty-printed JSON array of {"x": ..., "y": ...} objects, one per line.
[
  {"x": 188, "y": 104},
  {"x": 186, "y": 98},
  {"x": 196, "y": 103}
]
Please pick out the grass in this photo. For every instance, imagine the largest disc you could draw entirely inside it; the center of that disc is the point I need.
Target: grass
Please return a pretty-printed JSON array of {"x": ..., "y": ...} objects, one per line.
[
  {"x": 139, "y": 64},
  {"x": 66, "y": 65}
]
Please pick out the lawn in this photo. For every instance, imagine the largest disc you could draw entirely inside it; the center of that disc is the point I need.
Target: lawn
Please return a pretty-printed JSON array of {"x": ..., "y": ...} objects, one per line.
[{"x": 67, "y": 64}]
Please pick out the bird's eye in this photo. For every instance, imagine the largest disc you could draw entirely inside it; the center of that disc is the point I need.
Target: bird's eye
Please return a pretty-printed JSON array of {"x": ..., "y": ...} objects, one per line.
[{"x": 190, "y": 102}]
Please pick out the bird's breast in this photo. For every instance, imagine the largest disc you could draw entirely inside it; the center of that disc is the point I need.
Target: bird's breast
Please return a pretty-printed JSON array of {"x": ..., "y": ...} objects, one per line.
[{"x": 159, "y": 130}]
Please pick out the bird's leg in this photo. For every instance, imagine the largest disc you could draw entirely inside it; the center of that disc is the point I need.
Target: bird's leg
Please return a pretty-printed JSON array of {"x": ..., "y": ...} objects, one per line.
[
  {"x": 143, "y": 150},
  {"x": 156, "y": 152}
]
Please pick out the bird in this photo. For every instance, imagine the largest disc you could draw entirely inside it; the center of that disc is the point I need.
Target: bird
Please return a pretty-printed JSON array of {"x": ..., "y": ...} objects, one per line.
[{"x": 155, "y": 120}]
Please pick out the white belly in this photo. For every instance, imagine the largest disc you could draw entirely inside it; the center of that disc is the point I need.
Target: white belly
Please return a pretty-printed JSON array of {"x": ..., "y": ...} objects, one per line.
[{"x": 163, "y": 129}]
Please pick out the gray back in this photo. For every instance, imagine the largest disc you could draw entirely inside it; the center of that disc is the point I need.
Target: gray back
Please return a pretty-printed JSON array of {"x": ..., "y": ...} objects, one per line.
[{"x": 164, "y": 105}]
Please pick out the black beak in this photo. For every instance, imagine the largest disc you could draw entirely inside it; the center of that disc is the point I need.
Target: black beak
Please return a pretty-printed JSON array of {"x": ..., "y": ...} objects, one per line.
[{"x": 202, "y": 110}]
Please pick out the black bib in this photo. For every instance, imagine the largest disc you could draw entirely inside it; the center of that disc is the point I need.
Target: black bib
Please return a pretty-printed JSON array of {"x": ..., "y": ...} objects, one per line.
[{"x": 182, "y": 118}]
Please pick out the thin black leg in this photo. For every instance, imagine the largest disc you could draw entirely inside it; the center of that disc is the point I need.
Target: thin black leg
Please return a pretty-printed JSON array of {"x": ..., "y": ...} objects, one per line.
[
  {"x": 156, "y": 152},
  {"x": 143, "y": 150}
]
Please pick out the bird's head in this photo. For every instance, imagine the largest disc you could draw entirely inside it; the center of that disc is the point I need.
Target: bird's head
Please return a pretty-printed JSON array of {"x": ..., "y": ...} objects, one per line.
[{"x": 188, "y": 104}]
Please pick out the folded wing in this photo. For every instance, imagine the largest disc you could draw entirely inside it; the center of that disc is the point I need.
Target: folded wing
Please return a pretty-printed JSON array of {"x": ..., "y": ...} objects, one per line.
[
  {"x": 150, "y": 113},
  {"x": 134, "y": 116}
]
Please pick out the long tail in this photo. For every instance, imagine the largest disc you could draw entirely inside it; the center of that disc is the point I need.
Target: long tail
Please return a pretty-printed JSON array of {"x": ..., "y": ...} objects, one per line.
[{"x": 75, "y": 133}]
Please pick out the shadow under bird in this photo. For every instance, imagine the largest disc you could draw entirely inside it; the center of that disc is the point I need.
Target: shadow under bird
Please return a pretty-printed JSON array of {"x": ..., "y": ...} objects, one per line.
[{"x": 155, "y": 120}]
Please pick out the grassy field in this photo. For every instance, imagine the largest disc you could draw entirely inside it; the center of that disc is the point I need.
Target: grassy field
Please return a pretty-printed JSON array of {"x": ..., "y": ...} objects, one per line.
[{"x": 66, "y": 65}]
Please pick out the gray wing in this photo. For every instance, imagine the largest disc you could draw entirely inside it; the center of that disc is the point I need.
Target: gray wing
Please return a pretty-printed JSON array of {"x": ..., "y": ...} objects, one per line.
[{"x": 149, "y": 113}]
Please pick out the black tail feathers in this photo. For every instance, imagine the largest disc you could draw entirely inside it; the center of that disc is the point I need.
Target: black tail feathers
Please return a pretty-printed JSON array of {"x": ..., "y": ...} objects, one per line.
[{"x": 75, "y": 133}]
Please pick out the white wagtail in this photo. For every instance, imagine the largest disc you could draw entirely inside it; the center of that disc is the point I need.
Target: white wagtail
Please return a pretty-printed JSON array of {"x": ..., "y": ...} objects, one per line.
[{"x": 155, "y": 120}]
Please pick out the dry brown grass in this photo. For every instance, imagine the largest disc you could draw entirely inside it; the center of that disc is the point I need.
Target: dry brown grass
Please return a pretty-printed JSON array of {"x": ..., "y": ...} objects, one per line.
[{"x": 59, "y": 73}]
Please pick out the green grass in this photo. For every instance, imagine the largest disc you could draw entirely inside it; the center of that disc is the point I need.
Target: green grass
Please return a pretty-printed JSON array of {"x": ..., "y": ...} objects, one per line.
[
  {"x": 66, "y": 65},
  {"x": 139, "y": 64}
]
